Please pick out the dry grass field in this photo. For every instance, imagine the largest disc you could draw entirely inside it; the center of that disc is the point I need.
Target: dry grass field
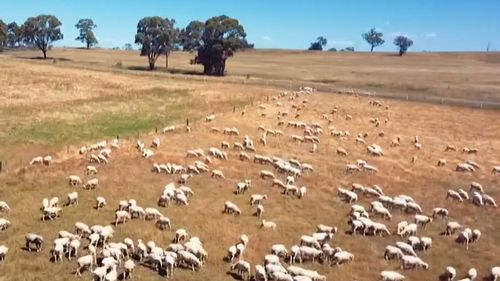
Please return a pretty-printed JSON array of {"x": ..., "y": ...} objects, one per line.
[
  {"x": 56, "y": 108},
  {"x": 473, "y": 76}
]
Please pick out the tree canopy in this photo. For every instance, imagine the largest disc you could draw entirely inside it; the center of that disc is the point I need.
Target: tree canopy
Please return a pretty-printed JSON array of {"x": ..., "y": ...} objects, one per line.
[
  {"x": 319, "y": 44},
  {"x": 86, "y": 29},
  {"x": 41, "y": 31},
  {"x": 374, "y": 38},
  {"x": 128, "y": 47},
  {"x": 14, "y": 35},
  {"x": 403, "y": 43},
  {"x": 3, "y": 34},
  {"x": 190, "y": 36},
  {"x": 156, "y": 36},
  {"x": 221, "y": 37}
]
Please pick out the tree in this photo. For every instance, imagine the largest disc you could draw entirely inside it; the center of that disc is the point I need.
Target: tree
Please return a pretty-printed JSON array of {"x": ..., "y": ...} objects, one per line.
[
  {"x": 221, "y": 37},
  {"x": 349, "y": 49},
  {"x": 41, "y": 31},
  {"x": 374, "y": 38},
  {"x": 190, "y": 36},
  {"x": 128, "y": 47},
  {"x": 319, "y": 44},
  {"x": 332, "y": 50},
  {"x": 3, "y": 34},
  {"x": 403, "y": 43},
  {"x": 156, "y": 36},
  {"x": 86, "y": 28},
  {"x": 14, "y": 35}
]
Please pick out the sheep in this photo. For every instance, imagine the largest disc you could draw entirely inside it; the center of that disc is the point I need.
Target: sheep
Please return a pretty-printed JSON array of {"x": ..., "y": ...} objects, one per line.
[
  {"x": 391, "y": 276},
  {"x": 4, "y": 224},
  {"x": 441, "y": 163},
  {"x": 342, "y": 257},
  {"x": 242, "y": 269},
  {"x": 464, "y": 167},
  {"x": 442, "y": 212},
  {"x": 381, "y": 210},
  {"x": 241, "y": 187},
  {"x": 495, "y": 273},
  {"x": 488, "y": 200},
  {"x": 257, "y": 198},
  {"x": 180, "y": 235},
  {"x": 341, "y": 151},
  {"x": 74, "y": 245},
  {"x": 189, "y": 259},
  {"x": 306, "y": 252},
  {"x": 422, "y": 220},
  {"x": 218, "y": 174},
  {"x": 260, "y": 273},
  {"x": 83, "y": 262},
  {"x": 72, "y": 198},
  {"x": 266, "y": 174},
  {"x": 152, "y": 213},
  {"x": 451, "y": 227},
  {"x": 51, "y": 213},
  {"x": 477, "y": 199},
  {"x": 4, "y": 207},
  {"x": 33, "y": 240},
  {"x": 225, "y": 145},
  {"x": 268, "y": 224},
  {"x": 91, "y": 170},
  {"x": 392, "y": 252},
  {"x": 375, "y": 150},
  {"x": 310, "y": 241},
  {"x": 472, "y": 274},
  {"x": 260, "y": 211},
  {"x": 279, "y": 250},
  {"x": 410, "y": 229},
  {"x": 280, "y": 276},
  {"x": 413, "y": 262},
  {"x": 100, "y": 202},
  {"x": 91, "y": 184},
  {"x": 54, "y": 202},
  {"x": 463, "y": 194},
  {"x": 122, "y": 216},
  {"x": 454, "y": 195},
  {"x": 495, "y": 170},
  {"x": 231, "y": 208},
  {"x": 406, "y": 248},
  {"x": 74, "y": 180},
  {"x": 302, "y": 192},
  {"x": 450, "y": 273},
  {"x": 475, "y": 186},
  {"x": 36, "y": 160},
  {"x": 156, "y": 142},
  {"x": 210, "y": 118}
]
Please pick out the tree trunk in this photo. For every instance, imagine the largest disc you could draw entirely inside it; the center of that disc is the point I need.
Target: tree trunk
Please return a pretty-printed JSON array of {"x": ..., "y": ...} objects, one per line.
[
  {"x": 371, "y": 50},
  {"x": 401, "y": 52},
  {"x": 44, "y": 53},
  {"x": 88, "y": 45},
  {"x": 151, "y": 65},
  {"x": 166, "y": 60}
]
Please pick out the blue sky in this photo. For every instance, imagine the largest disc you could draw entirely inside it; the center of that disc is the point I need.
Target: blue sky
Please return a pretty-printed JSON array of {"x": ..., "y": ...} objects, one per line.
[{"x": 434, "y": 25}]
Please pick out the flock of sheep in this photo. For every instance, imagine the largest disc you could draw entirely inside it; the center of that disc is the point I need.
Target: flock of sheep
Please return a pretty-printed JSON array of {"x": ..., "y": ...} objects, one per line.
[{"x": 110, "y": 260}]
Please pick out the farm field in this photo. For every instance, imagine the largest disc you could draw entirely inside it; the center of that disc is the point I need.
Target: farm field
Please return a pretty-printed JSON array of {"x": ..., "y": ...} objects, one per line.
[
  {"x": 55, "y": 108},
  {"x": 471, "y": 76}
]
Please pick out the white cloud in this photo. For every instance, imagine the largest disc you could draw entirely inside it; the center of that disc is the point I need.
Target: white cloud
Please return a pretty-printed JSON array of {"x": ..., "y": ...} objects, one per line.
[
  {"x": 432, "y": 35},
  {"x": 387, "y": 22},
  {"x": 267, "y": 38}
]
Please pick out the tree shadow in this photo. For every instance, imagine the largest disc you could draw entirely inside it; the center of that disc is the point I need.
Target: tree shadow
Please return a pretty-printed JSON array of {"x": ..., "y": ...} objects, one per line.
[
  {"x": 169, "y": 70},
  {"x": 47, "y": 59}
]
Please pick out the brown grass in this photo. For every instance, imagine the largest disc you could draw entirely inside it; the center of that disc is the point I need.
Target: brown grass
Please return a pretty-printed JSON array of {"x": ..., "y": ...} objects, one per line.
[
  {"x": 70, "y": 96},
  {"x": 472, "y": 76}
]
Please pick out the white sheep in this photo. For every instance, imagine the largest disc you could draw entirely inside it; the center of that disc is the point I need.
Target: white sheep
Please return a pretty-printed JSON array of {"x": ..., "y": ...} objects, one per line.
[
  {"x": 450, "y": 273},
  {"x": 257, "y": 198},
  {"x": 218, "y": 174},
  {"x": 495, "y": 273},
  {"x": 495, "y": 170},
  {"x": 451, "y": 227},
  {"x": 454, "y": 195},
  {"x": 122, "y": 216},
  {"x": 442, "y": 212},
  {"x": 100, "y": 202},
  {"x": 391, "y": 276},
  {"x": 91, "y": 184},
  {"x": 4, "y": 224},
  {"x": 72, "y": 198},
  {"x": 422, "y": 220},
  {"x": 266, "y": 174},
  {"x": 91, "y": 170},
  {"x": 4, "y": 207},
  {"x": 268, "y": 224},
  {"x": 342, "y": 257},
  {"x": 74, "y": 180},
  {"x": 231, "y": 208},
  {"x": 242, "y": 269},
  {"x": 488, "y": 200},
  {"x": 83, "y": 262},
  {"x": 392, "y": 252}
]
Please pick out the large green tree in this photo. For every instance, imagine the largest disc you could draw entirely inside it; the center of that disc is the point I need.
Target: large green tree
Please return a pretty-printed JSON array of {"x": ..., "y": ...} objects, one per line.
[
  {"x": 319, "y": 44},
  {"x": 374, "y": 38},
  {"x": 41, "y": 31},
  {"x": 3, "y": 34},
  {"x": 403, "y": 43},
  {"x": 14, "y": 35},
  {"x": 86, "y": 29},
  {"x": 221, "y": 37},
  {"x": 156, "y": 36},
  {"x": 190, "y": 36}
]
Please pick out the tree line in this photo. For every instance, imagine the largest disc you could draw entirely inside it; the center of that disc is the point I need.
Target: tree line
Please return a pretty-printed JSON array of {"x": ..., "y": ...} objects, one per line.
[
  {"x": 373, "y": 37},
  {"x": 214, "y": 40}
]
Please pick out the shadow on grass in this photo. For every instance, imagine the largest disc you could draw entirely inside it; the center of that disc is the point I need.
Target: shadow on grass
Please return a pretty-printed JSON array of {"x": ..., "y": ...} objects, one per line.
[
  {"x": 42, "y": 58},
  {"x": 162, "y": 70}
]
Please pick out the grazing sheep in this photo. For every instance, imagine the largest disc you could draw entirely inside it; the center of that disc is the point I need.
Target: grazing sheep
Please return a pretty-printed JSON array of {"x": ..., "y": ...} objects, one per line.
[
  {"x": 450, "y": 273},
  {"x": 231, "y": 208},
  {"x": 257, "y": 198},
  {"x": 33, "y": 241},
  {"x": 72, "y": 198},
  {"x": 3, "y": 252},
  {"x": 74, "y": 180},
  {"x": 4, "y": 207},
  {"x": 488, "y": 200},
  {"x": 343, "y": 257},
  {"x": 475, "y": 186},
  {"x": 442, "y": 212},
  {"x": 268, "y": 225},
  {"x": 218, "y": 174},
  {"x": 451, "y": 227},
  {"x": 391, "y": 276},
  {"x": 91, "y": 184},
  {"x": 495, "y": 170},
  {"x": 495, "y": 273},
  {"x": 100, "y": 203},
  {"x": 392, "y": 252},
  {"x": 464, "y": 167},
  {"x": 454, "y": 195},
  {"x": 341, "y": 151},
  {"x": 441, "y": 163},
  {"x": 266, "y": 174},
  {"x": 91, "y": 170},
  {"x": 84, "y": 262},
  {"x": 242, "y": 269},
  {"x": 4, "y": 224}
]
